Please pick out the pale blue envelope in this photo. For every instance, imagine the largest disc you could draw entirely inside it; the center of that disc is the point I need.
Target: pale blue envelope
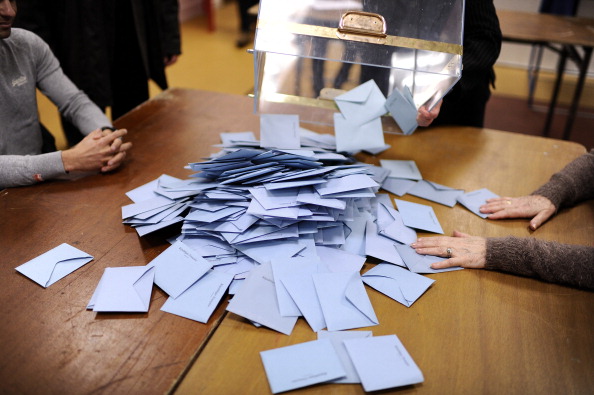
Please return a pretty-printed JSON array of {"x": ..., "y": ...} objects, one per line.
[
  {"x": 379, "y": 246},
  {"x": 200, "y": 300},
  {"x": 398, "y": 186},
  {"x": 402, "y": 108},
  {"x": 362, "y": 104},
  {"x": 256, "y": 301},
  {"x": 399, "y": 284},
  {"x": 418, "y": 216},
  {"x": 436, "y": 192},
  {"x": 344, "y": 301},
  {"x": 352, "y": 137},
  {"x": 177, "y": 268},
  {"x": 420, "y": 263},
  {"x": 279, "y": 131},
  {"x": 123, "y": 289},
  {"x": 475, "y": 199},
  {"x": 390, "y": 224},
  {"x": 337, "y": 338},
  {"x": 402, "y": 169},
  {"x": 54, "y": 265},
  {"x": 301, "y": 365},
  {"x": 382, "y": 362}
]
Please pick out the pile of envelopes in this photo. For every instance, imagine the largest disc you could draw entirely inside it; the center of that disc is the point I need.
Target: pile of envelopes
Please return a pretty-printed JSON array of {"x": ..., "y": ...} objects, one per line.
[{"x": 287, "y": 231}]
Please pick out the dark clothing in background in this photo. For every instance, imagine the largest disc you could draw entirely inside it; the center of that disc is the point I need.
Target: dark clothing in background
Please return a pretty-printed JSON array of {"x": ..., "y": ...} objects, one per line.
[
  {"x": 108, "y": 48},
  {"x": 465, "y": 104}
]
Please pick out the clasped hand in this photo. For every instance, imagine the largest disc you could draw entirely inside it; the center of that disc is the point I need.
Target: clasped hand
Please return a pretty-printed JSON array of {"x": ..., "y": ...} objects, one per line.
[{"x": 101, "y": 150}]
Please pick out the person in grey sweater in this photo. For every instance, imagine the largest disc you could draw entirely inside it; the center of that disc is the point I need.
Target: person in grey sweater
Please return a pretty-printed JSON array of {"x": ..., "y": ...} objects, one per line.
[
  {"x": 550, "y": 261},
  {"x": 27, "y": 63}
]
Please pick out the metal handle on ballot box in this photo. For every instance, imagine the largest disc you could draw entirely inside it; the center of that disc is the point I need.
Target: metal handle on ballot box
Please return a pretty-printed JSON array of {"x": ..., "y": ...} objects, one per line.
[{"x": 363, "y": 27}]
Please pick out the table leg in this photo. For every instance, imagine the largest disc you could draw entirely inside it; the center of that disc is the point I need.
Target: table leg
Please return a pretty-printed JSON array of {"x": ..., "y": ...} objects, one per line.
[
  {"x": 583, "y": 69},
  {"x": 563, "y": 53}
]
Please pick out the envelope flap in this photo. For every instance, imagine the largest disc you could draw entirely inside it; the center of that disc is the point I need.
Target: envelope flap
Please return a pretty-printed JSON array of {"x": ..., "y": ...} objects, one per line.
[
  {"x": 358, "y": 95},
  {"x": 355, "y": 293}
]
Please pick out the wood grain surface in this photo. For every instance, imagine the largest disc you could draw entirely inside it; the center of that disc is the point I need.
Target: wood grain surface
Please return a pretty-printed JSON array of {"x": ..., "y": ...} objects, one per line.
[{"x": 473, "y": 332}]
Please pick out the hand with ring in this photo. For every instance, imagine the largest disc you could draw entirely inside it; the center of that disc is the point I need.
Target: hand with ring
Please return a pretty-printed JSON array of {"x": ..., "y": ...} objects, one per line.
[
  {"x": 539, "y": 208},
  {"x": 460, "y": 250}
]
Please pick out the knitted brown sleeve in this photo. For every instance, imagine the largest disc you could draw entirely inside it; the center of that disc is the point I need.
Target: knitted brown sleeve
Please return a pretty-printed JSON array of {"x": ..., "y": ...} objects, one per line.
[
  {"x": 547, "y": 260},
  {"x": 571, "y": 185}
]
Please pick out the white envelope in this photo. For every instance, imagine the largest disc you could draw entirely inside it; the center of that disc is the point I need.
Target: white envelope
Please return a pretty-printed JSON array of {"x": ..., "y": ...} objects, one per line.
[
  {"x": 344, "y": 301},
  {"x": 123, "y": 289},
  {"x": 382, "y": 362},
  {"x": 177, "y": 268},
  {"x": 301, "y": 365},
  {"x": 54, "y": 265},
  {"x": 399, "y": 284},
  {"x": 362, "y": 104}
]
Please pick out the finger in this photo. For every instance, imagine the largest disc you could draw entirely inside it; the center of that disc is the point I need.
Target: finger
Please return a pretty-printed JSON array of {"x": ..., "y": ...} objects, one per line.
[
  {"x": 540, "y": 219},
  {"x": 117, "y": 159},
  {"x": 115, "y": 145},
  {"x": 435, "y": 251},
  {"x": 125, "y": 146},
  {"x": 460, "y": 234},
  {"x": 452, "y": 262},
  {"x": 115, "y": 135}
]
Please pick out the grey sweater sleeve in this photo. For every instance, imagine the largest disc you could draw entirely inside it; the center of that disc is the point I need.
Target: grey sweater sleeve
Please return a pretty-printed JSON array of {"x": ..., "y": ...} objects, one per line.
[
  {"x": 20, "y": 170},
  {"x": 26, "y": 63},
  {"x": 548, "y": 260}
]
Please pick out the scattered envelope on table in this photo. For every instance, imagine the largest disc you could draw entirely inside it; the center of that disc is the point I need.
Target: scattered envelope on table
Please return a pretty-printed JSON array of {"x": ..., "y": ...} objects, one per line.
[
  {"x": 402, "y": 108},
  {"x": 399, "y": 284},
  {"x": 390, "y": 224},
  {"x": 344, "y": 300},
  {"x": 302, "y": 289},
  {"x": 337, "y": 339},
  {"x": 123, "y": 289},
  {"x": 200, "y": 300},
  {"x": 398, "y": 186},
  {"x": 279, "y": 131},
  {"x": 402, "y": 169},
  {"x": 379, "y": 246},
  {"x": 353, "y": 137},
  {"x": 436, "y": 192},
  {"x": 475, "y": 199},
  {"x": 177, "y": 268},
  {"x": 420, "y": 263},
  {"x": 362, "y": 104},
  {"x": 418, "y": 216},
  {"x": 382, "y": 362},
  {"x": 301, "y": 365},
  {"x": 54, "y": 265},
  {"x": 256, "y": 301}
]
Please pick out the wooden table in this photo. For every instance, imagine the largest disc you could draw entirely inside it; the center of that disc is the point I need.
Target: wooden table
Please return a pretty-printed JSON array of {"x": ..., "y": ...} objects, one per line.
[
  {"x": 562, "y": 34},
  {"x": 472, "y": 332}
]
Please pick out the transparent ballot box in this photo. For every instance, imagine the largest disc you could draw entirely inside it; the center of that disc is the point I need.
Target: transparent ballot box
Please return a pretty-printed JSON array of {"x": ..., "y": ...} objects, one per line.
[{"x": 307, "y": 52}]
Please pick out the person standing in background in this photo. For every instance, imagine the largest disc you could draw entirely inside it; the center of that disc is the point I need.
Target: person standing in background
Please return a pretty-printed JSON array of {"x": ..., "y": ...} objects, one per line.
[
  {"x": 245, "y": 22},
  {"x": 108, "y": 48}
]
